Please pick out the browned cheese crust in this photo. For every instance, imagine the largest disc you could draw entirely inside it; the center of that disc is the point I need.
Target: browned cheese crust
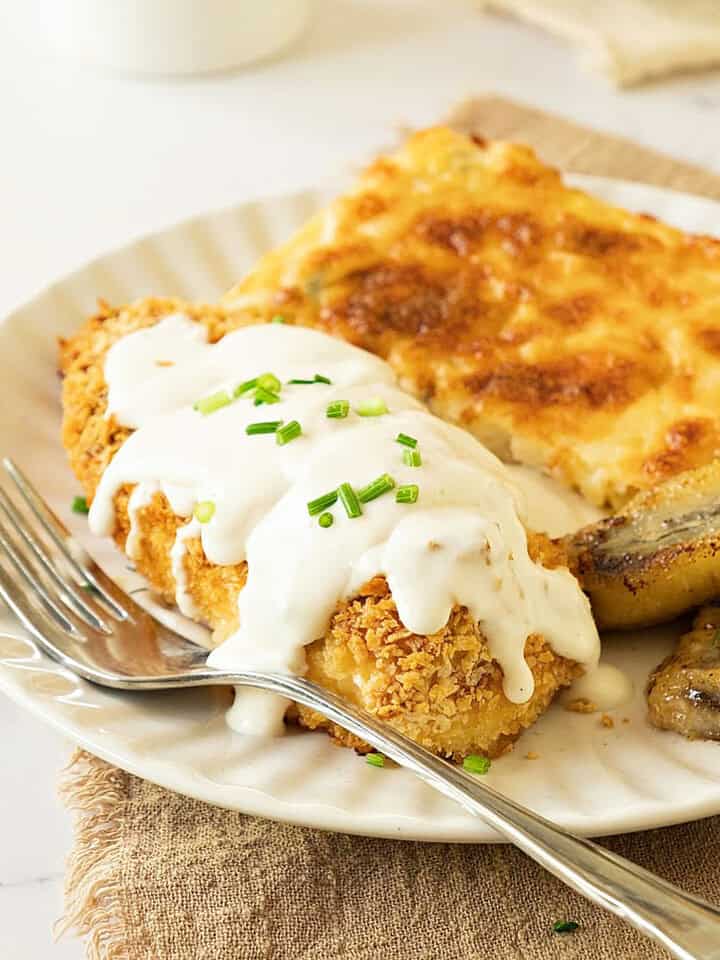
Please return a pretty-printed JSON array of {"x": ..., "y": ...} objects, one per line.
[
  {"x": 563, "y": 332},
  {"x": 443, "y": 690}
]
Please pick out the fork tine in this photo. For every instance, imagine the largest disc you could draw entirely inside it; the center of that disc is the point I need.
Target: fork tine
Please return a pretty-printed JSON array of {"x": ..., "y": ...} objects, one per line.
[
  {"x": 36, "y": 589},
  {"x": 61, "y": 537},
  {"x": 67, "y": 591}
]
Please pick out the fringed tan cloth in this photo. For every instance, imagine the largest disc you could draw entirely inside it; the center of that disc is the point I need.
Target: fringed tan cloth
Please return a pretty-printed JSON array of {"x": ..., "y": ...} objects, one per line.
[{"x": 157, "y": 876}]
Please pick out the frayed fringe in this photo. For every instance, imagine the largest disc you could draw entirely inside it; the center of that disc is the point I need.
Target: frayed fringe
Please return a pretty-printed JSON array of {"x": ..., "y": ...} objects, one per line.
[{"x": 95, "y": 791}]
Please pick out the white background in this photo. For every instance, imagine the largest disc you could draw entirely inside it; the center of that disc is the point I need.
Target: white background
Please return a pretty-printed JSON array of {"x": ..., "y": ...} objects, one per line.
[{"x": 89, "y": 159}]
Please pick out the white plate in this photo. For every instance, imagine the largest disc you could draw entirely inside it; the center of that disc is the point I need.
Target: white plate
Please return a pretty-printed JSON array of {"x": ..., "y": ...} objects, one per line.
[{"x": 588, "y": 778}]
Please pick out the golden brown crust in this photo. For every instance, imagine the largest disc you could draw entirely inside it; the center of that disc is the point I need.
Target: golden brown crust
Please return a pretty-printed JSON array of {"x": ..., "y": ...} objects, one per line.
[
  {"x": 562, "y": 331},
  {"x": 444, "y": 690}
]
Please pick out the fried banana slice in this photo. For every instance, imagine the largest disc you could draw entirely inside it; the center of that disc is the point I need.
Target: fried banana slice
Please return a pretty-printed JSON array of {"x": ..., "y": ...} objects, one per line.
[
  {"x": 683, "y": 693},
  {"x": 656, "y": 558}
]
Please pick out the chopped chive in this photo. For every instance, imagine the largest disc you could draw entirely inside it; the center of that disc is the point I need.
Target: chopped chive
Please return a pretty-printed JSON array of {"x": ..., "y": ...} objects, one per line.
[
  {"x": 204, "y": 511},
  {"x": 287, "y": 432},
  {"x": 476, "y": 764},
  {"x": 326, "y": 520},
  {"x": 265, "y": 426},
  {"x": 412, "y": 458},
  {"x": 268, "y": 381},
  {"x": 349, "y": 500},
  {"x": 375, "y": 407},
  {"x": 375, "y": 759},
  {"x": 322, "y": 503},
  {"x": 278, "y": 318},
  {"x": 212, "y": 403},
  {"x": 376, "y": 489},
  {"x": 565, "y": 926},
  {"x": 80, "y": 505},
  {"x": 337, "y": 410},
  {"x": 405, "y": 440},
  {"x": 265, "y": 396},
  {"x": 408, "y": 493},
  {"x": 319, "y": 378},
  {"x": 296, "y": 380},
  {"x": 244, "y": 387}
]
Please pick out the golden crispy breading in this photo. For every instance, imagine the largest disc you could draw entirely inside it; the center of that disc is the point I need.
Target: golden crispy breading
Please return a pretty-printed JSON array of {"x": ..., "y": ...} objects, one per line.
[
  {"x": 563, "y": 332},
  {"x": 443, "y": 690}
]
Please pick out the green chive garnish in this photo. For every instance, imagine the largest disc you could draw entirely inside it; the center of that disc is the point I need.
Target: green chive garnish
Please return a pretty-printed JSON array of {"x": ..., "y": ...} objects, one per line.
[
  {"x": 278, "y": 318},
  {"x": 244, "y": 387},
  {"x": 80, "y": 505},
  {"x": 377, "y": 488},
  {"x": 322, "y": 503},
  {"x": 565, "y": 926},
  {"x": 349, "y": 500},
  {"x": 318, "y": 378},
  {"x": 412, "y": 458},
  {"x": 405, "y": 440},
  {"x": 375, "y": 407},
  {"x": 287, "y": 432},
  {"x": 326, "y": 520},
  {"x": 408, "y": 493},
  {"x": 337, "y": 410},
  {"x": 204, "y": 511},
  {"x": 266, "y": 426},
  {"x": 212, "y": 403},
  {"x": 476, "y": 764},
  {"x": 268, "y": 381},
  {"x": 375, "y": 759},
  {"x": 265, "y": 396}
]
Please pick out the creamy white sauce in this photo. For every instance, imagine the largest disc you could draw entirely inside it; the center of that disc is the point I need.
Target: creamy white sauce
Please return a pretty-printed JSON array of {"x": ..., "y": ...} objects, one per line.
[
  {"x": 606, "y": 686},
  {"x": 463, "y": 542}
]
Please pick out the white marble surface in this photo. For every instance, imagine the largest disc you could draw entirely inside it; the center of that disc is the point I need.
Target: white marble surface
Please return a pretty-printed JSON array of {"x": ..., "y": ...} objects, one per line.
[{"x": 89, "y": 159}]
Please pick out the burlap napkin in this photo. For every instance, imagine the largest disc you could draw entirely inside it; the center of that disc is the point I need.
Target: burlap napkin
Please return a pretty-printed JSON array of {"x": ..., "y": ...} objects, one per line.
[{"x": 156, "y": 876}]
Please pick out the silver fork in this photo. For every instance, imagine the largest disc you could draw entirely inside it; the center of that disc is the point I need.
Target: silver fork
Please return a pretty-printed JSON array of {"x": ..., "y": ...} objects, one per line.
[{"x": 80, "y": 618}]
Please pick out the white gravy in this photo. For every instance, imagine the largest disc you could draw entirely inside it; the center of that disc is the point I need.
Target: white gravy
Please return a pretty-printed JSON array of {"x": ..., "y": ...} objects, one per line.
[{"x": 462, "y": 542}]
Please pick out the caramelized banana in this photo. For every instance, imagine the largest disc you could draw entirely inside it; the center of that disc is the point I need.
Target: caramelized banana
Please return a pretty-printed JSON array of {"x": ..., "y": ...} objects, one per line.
[
  {"x": 656, "y": 558},
  {"x": 684, "y": 691}
]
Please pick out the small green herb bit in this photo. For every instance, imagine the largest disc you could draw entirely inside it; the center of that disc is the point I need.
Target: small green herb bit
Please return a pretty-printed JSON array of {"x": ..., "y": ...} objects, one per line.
[
  {"x": 265, "y": 396},
  {"x": 212, "y": 403},
  {"x": 407, "y": 493},
  {"x": 204, "y": 511},
  {"x": 405, "y": 440},
  {"x": 287, "y": 432},
  {"x": 375, "y": 759},
  {"x": 268, "y": 381},
  {"x": 244, "y": 387},
  {"x": 376, "y": 489},
  {"x": 565, "y": 926},
  {"x": 337, "y": 410},
  {"x": 349, "y": 500},
  {"x": 265, "y": 426},
  {"x": 80, "y": 505},
  {"x": 375, "y": 407},
  {"x": 322, "y": 503},
  {"x": 476, "y": 764},
  {"x": 319, "y": 378},
  {"x": 412, "y": 458},
  {"x": 278, "y": 318},
  {"x": 326, "y": 520}
]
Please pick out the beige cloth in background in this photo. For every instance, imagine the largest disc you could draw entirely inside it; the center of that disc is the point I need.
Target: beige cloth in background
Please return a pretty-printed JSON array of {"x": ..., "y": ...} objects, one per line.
[
  {"x": 631, "y": 41},
  {"x": 157, "y": 876}
]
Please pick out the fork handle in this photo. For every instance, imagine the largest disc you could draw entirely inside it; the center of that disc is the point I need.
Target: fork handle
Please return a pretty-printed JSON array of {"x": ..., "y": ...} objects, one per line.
[{"x": 685, "y": 925}]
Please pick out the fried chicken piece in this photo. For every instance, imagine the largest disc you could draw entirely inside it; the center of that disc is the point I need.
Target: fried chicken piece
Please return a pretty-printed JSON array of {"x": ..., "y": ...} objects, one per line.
[
  {"x": 443, "y": 690},
  {"x": 683, "y": 693}
]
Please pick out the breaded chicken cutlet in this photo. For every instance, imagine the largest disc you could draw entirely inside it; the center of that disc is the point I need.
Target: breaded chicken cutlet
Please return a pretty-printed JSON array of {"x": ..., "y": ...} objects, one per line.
[
  {"x": 563, "y": 332},
  {"x": 443, "y": 690}
]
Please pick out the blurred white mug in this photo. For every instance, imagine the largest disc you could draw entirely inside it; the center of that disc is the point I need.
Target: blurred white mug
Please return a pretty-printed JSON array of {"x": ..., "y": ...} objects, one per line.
[{"x": 173, "y": 36}]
